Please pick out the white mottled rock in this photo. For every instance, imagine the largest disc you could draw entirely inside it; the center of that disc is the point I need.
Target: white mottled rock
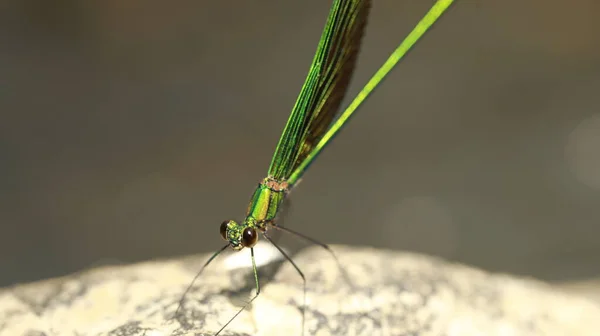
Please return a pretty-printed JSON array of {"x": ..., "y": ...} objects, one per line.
[{"x": 392, "y": 293}]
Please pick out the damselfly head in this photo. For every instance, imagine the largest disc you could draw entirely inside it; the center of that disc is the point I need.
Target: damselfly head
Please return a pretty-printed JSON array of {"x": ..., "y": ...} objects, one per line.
[{"x": 238, "y": 236}]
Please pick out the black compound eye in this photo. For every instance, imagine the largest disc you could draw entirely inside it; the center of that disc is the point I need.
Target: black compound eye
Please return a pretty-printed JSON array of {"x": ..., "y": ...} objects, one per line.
[
  {"x": 249, "y": 237},
  {"x": 223, "y": 229}
]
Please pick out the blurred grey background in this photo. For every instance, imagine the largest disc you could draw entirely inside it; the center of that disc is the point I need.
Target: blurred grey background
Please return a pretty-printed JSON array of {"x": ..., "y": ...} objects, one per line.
[{"x": 130, "y": 130}]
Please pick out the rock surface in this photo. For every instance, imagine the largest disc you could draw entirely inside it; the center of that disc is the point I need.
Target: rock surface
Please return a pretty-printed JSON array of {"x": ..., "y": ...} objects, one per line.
[{"x": 391, "y": 293}]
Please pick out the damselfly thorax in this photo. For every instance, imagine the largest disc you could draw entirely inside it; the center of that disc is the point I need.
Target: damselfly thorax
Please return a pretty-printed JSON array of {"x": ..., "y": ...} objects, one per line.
[{"x": 262, "y": 210}]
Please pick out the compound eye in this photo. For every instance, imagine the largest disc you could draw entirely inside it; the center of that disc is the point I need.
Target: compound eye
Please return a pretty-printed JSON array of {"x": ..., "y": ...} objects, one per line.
[
  {"x": 223, "y": 229},
  {"x": 249, "y": 237}
]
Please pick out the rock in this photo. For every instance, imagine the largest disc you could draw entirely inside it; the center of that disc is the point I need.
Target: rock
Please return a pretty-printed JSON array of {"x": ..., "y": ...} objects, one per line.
[{"x": 388, "y": 293}]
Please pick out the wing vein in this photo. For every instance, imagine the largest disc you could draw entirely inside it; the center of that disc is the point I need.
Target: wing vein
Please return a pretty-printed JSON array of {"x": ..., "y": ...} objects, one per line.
[{"x": 324, "y": 88}]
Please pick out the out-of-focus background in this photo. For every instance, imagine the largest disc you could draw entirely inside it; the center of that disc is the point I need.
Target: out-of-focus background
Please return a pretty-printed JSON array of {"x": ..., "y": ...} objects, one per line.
[{"x": 130, "y": 130}]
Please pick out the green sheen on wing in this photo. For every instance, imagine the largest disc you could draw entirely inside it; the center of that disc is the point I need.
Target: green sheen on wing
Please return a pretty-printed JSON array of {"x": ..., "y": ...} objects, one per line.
[
  {"x": 324, "y": 88},
  {"x": 426, "y": 22}
]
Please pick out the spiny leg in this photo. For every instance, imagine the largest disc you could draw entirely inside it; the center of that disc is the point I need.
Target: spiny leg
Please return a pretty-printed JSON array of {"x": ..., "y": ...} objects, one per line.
[
  {"x": 179, "y": 307},
  {"x": 252, "y": 299},
  {"x": 323, "y": 245},
  {"x": 299, "y": 272}
]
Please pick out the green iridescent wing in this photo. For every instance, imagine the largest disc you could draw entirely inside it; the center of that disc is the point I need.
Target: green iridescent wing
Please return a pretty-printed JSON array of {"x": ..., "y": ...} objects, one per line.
[
  {"x": 315, "y": 149},
  {"x": 324, "y": 88}
]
